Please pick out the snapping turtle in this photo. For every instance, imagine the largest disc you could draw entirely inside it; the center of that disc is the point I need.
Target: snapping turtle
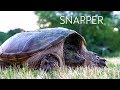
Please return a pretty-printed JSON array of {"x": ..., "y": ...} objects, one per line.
[{"x": 48, "y": 49}]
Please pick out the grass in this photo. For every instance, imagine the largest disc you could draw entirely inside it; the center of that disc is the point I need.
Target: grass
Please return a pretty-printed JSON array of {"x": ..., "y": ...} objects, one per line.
[{"x": 112, "y": 72}]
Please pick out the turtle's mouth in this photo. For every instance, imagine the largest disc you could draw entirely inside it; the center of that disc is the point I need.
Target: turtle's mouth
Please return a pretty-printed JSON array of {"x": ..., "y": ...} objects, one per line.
[
  {"x": 102, "y": 63},
  {"x": 96, "y": 60}
]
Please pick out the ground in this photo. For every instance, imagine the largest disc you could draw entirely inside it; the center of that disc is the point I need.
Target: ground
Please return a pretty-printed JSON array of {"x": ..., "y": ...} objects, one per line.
[{"x": 112, "y": 72}]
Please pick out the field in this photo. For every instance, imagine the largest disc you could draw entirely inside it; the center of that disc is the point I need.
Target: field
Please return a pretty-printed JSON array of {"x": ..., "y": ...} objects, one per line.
[{"x": 112, "y": 72}]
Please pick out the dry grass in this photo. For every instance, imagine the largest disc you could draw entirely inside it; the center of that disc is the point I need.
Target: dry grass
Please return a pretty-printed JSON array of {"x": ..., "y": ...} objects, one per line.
[{"x": 112, "y": 72}]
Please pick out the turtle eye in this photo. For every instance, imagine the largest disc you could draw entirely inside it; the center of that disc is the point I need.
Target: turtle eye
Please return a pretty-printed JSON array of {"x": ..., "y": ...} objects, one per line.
[{"x": 96, "y": 54}]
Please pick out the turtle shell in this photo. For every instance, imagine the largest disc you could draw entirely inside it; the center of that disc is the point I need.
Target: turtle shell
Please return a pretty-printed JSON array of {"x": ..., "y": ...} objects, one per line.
[{"x": 29, "y": 42}]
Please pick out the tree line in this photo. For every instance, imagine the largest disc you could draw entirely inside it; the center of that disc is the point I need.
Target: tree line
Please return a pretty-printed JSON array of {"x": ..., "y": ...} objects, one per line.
[
  {"x": 101, "y": 38},
  {"x": 4, "y": 36}
]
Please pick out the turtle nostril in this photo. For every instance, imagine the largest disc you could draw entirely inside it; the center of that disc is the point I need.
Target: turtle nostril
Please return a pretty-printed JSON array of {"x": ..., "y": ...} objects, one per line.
[{"x": 82, "y": 58}]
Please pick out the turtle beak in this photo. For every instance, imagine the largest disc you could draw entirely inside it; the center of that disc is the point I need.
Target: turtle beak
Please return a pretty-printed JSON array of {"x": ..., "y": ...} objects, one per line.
[{"x": 102, "y": 62}]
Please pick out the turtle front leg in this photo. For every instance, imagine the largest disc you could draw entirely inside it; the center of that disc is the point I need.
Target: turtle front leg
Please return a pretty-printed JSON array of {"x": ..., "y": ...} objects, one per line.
[{"x": 46, "y": 62}]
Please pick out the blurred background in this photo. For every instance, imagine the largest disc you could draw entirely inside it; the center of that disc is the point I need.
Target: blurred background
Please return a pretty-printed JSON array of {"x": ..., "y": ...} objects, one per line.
[{"x": 103, "y": 39}]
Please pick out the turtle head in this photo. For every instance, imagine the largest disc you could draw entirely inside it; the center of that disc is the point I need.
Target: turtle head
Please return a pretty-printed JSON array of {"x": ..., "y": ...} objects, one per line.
[{"x": 93, "y": 60}]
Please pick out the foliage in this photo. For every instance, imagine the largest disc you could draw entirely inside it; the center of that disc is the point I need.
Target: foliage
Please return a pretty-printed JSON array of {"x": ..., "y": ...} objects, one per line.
[
  {"x": 17, "y": 30},
  {"x": 100, "y": 38},
  {"x": 3, "y": 37}
]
